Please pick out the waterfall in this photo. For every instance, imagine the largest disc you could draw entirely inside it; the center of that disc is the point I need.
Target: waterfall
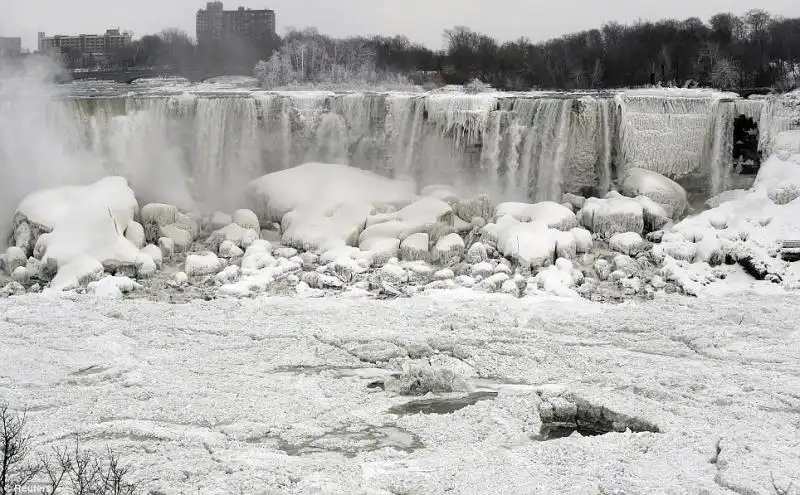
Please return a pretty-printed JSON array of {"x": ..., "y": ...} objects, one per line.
[{"x": 524, "y": 147}]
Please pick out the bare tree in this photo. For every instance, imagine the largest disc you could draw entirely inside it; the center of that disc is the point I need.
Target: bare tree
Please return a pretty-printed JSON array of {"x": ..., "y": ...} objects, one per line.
[{"x": 15, "y": 446}]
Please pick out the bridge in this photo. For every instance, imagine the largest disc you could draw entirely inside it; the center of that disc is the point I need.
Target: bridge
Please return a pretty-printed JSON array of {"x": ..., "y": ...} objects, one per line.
[{"x": 130, "y": 75}]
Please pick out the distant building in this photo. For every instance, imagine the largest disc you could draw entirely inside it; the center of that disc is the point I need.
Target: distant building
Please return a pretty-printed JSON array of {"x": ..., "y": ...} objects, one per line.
[
  {"x": 214, "y": 24},
  {"x": 95, "y": 45},
  {"x": 10, "y": 47}
]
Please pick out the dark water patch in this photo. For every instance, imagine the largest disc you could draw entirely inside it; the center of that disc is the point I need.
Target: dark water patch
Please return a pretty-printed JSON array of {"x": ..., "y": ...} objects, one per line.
[
  {"x": 563, "y": 415},
  {"x": 350, "y": 443},
  {"x": 441, "y": 405}
]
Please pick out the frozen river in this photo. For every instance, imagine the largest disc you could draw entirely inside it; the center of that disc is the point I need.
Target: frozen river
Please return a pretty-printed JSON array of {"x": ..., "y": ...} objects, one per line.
[{"x": 285, "y": 395}]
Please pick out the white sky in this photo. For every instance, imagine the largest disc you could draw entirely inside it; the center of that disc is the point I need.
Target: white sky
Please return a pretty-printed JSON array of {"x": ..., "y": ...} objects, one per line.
[{"x": 420, "y": 20}]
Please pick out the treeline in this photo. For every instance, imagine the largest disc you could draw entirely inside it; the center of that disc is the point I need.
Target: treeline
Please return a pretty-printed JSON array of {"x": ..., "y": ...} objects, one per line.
[
  {"x": 748, "y": 51},
  {"x": 310, "y": 57},
  {"x": 753, "y": 50}
]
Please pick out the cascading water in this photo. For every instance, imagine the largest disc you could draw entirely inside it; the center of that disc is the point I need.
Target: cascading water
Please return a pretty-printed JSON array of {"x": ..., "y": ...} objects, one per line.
[{"x": 526, "y": 147}]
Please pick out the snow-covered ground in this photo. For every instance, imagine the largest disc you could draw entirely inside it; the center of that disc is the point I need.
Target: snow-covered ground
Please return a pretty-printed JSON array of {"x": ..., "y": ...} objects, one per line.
[{"x": 283, "y": 395}]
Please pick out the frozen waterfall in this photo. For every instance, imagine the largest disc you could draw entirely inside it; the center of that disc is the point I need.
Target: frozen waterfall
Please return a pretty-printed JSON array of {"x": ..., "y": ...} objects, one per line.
[{"x": 522, "y": 146}]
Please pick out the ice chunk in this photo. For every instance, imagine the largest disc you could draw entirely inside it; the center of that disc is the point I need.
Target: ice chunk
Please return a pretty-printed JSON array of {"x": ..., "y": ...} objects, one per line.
[
  {"x": 112, "y": 287},
  {"x": 234, "y": 233}
]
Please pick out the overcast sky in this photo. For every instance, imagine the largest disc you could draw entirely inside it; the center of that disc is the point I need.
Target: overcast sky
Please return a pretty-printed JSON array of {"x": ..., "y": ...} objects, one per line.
[{"x": 420, "y": 20}]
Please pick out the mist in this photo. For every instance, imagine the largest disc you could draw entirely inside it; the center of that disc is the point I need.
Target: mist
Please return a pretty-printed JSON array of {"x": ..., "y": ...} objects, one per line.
[{"x": 38, "y": 145}]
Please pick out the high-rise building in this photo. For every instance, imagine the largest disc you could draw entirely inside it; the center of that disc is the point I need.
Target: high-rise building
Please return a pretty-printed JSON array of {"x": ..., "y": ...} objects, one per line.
[
  {"x": 10, "y": 47},
  {"x": 85, "y": 44},
  {"x": 214, "y": 24}
]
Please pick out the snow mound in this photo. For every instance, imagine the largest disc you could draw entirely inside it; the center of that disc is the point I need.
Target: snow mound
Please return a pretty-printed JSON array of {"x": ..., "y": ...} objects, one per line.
[
  {"x": 321, "y": 187},
  {"x": 652, "y": 185},
  {"x": 558, "y": 279},
  {"x": 530, "y": 244},
  {"x": 553, "y": 215},
  {"x": 13, "y": 258},
  {"x": 615, "y": 215},
  {"x": 89, "y": 225},
  {"x": 780, "y": 178}
]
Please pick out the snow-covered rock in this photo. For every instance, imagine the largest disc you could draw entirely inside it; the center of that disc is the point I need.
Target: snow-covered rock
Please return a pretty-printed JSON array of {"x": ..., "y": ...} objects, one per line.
[
  {"x": 180, "y": 279},
  {"x": 21, "y": 275},
  {"x": 553, "y": 215},
  {"x": 530, "y": 244},
  {"x": 448, "y": 248},
  {"x": 134, "y": 232},
  {"x": 566, "y": 245},
  {"x": 162, "y": 220},
  {"x": 476, "y": 253},
  {"x": 478, "y": 207},
  {"x": 444, "y": 274},
  {"x": 40, "y": 247},
  {"x": 558, "y": 279},
  {"x": 415, "y": 247},
  {"x": 234, "y": 233},
  {"x": 246, "y": 219},
  {"x": 576, "y": 201},
  {"x": 583, "y": 240},
  {"x": 662, "y": 190},
  {"x": 228, "y": 249},
  {"x": 154, "y": 252},
  {"x": 629, "y": 243},
  {"x": 321, "y": 187},
  {"x": 90, "y": 224},
  {"x": 13, "y": 258},
  {"x": 198, "y": 265},
  {"x": 615, "y": 215},
  {"x": 78, "y": 272},
  {"x": 145, "y": 266},
  {"x": 481, "y": 270},
  {"x": 228, "y": 275},
  {"x": 167, "y": 247},
  {"x": 112, "y": 287}
]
